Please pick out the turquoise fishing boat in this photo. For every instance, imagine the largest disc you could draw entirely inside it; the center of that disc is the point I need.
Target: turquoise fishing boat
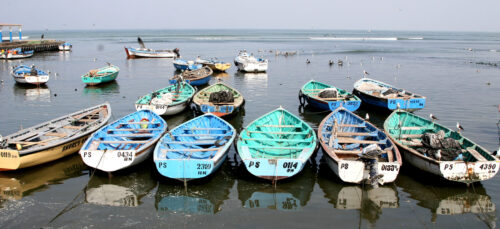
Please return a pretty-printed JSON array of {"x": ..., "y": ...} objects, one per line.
[
  {"x": 167, "y": 101},
  {"x": 101, "y": 75},
  {"x": 277, "y": 145},
  {"x": 195, "y": 149},
  {"x": 326, "y": 97},
  {"x": 438, "y": 150}
]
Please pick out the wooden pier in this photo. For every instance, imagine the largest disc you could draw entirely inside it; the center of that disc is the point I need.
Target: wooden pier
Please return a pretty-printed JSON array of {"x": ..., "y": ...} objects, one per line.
[{"x": 36, "y": 45}]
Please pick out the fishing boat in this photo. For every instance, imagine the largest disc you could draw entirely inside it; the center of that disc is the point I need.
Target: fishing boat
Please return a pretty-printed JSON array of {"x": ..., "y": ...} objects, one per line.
[
  {"x": 183, "y": 65},
  {"x": 143, "y": 52},
  {"x": 214, "y": 64},
  {"x": 29, "y": 75},
  {"x": 277, "y": 145},
  {"x": 439, "y": 150},
  {"x": 51, "y": 140},
  {"x": 356, "y": 150},
  {"x": 219, "y": 99},
  {"x": 386, "y": 96},
  {"x": 194, "y": 77},
  {"x": 16, "y": 53},
  {"x": 101, "y": 75},
  {"x": 248, "y": 63},
  {"x": 167, "y": 101},
  {"x": 325, "y": 97},
  {"x": 194, "y": 149},
  {"x": 65, "y": 47},
  {"x": 123, "y": 143}
]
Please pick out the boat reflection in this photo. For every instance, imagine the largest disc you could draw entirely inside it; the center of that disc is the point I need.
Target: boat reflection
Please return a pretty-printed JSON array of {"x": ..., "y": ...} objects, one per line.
[
  {"x": 175, "y": 120},
  {"x": 220, "y": 74},
  {"x": 19, "y": 184},
  {"x": 251, "y": 78},
  {"x": 32, "y": 92},
  {"x": 204, "y": 196},
  {"x": 124, "y": 188},
  {"x": 64, "y": 55},
  {"x": 369, "y": 201},
  {"x": 103, "y": 89},
  {"x": 289, "y": 195},
  {"x": 449, "y": 199}
]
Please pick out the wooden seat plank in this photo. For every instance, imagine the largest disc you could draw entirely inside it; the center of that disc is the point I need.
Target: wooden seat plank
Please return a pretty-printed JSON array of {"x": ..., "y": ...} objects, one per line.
[
  {"x": 476, "y": 154},
  {"x": 191, "y": 150}
]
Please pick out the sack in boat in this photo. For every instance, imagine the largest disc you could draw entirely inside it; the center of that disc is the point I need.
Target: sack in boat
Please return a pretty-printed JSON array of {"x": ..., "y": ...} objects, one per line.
[
  {"x": 221, "y": 97},
  {"x": 328, "y": 93}
]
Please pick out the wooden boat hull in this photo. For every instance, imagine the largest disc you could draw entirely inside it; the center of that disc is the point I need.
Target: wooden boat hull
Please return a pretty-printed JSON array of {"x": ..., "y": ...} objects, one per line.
[
  {"x": 160, "y": 109},
  {"x": 22, "y": 74},
  {"x": 35, "y": 80},
  {"x": 218, "y": 67},
  {"x": 91, "y": 81},
  {"x": 11, "y": 56},
  {"x": 137, "y": 53},
  {"x": 65, "y": 47},
  {"x": 251, "y": 67},
  {"x": 203, "y": 77},
  {"x": 186, "y": 170},
  {"x": 203, "y": 104},
  {"x": 167, "y": 101},
  {"x": 114, "y": 160},
  {"x": 181, "y": 65},
  {"x": 273, "y": 169}
]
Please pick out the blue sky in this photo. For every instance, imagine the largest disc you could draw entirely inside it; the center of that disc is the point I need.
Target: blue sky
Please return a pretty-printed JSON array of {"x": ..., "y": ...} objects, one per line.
[{"x": 431, "y": 15}]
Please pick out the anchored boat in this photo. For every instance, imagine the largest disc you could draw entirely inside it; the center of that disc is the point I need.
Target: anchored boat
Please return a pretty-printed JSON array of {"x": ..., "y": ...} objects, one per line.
[
  {"x": 29, "y": 75},
  {"x": 65, "y": 47},
  {"x": 219, "y": 99},
  {"x": 194, "y": 77},
  {"x": 325, "y": 97},
  {"x": 436, "y": 149},
  {"x": 248, "y": 63},
  {"x": 183, "y": 65},
  {"x": 123, "y": 143},
  {"x": 167, "y": 101},
  {"x": 16, "y": 53},
  {"x": 51, "y": 140},
  {"x": 101, "y": 75},
  {"x": 214, "y": 64},
  {"x": 277, "y": 145},
  {"x": 143, "y": 52},
  {"x": 356, "y": 150},
  {"x": 194, "y": 149},
  {"x": 386, "y": 96}
]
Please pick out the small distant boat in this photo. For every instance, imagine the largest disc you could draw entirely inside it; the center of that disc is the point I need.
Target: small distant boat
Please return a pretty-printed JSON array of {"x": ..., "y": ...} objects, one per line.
[
  {"x": 194, "y": 149},
  {"x": 386, "y": 96},
  {"x": 356, "y": 150},
  {"x": 143, "y": 52},
  {"x": 194, "y": 77},
  {"x": 219, "y": 99},
  {"x": 277, "y": 145},
  {"x": 65, "y": 46},
  {"x": 167, "y": 101},
  {"x": 183, "y": 65},
  {"x": 16, "y": 53},
  {"x": 101, "y": 75},
  {"x": 29, "y": 75},
  {"x": 123, "y": 143},
  {"x": 438, "y": 150},
  {"x": 325, "y": 97},
  {"x": 248, "y": 63},
  {"x": 215, "y": 65},
  {"x": 51, "y": 140}
]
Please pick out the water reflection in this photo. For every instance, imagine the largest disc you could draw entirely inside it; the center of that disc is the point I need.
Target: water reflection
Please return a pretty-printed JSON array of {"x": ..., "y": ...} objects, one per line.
[
  {"x": 220, "y": 74},
  {"x": 253, "y": 78},
  {"x": 19, "y": 184},
  {"x": 32, "y": 92},
  {"x": 204, "y": 196},
  {"x": 64, "y": 55},
  {"x": 103, "y": 89},
  {"x": 368, "y": 201},
  {"x": 449, "y": 199},
  {"x": 288, "y": 195},
  {"x": 124, "y": 188}
]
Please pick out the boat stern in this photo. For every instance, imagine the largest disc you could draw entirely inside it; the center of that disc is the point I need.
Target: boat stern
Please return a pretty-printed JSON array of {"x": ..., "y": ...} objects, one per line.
[
  {"x": 349, "y": 105},
  {"x": 468, "y": 172},
  {"x": 217, "y": 110},
  {"x": 351, "y": 171},
  {"x": 9, "y": 159},
  {"x": 108, "y": 160},
  {"x": 389, "y": 170},
  {"x": 185, "y": 169},
  {"x": 274, "y": 169},
  {"x": 406, "y": 104}
]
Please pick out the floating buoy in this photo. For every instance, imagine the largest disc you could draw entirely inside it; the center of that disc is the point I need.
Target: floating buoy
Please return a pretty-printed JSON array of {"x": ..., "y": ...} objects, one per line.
[{"x": 55, "y": 94}]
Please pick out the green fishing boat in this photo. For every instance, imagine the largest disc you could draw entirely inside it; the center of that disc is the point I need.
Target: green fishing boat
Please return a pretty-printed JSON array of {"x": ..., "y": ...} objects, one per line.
[
  {"x": 218, "y": 99},
  {"x": 101, "y": 75},
  {"x": 326, "y": 97},
  {"x": 439, "y": 150},
  {"x": 167, "y": 101},
  {"x": 277, "y": 145}
]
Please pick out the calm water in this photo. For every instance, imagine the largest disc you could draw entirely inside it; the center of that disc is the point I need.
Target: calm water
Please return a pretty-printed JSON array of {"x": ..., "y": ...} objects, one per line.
[{"x": 441, "y": 66}]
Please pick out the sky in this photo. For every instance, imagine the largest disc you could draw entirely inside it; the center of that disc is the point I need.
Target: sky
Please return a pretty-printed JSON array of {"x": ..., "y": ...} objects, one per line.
[{"x": 415, "y": 15}]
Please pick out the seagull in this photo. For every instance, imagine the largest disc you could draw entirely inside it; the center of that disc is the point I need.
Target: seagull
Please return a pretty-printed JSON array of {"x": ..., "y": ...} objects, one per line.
[
  {"x": 433, "y": 117},
  {"x": 398, "y": 106},
  {"x": 308, "y": 61},
  {"x": 438, "y": 155},
  {"x": 459, "y": 127},
  {"x": 365, "y": 73},
  {"x": 367, "y": 116},
  {"x": 330, "y": 62}
]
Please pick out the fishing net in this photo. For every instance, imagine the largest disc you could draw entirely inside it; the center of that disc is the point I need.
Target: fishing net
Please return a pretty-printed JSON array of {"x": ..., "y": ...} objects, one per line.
[
  {"x": 328, "y": 93},
  {"x": 221, "y": 97},
  {"x": 448, "y": 148}
]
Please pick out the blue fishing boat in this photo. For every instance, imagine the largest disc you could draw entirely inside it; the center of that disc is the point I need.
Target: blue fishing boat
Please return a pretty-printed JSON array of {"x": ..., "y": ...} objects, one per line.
[
  {"x": 195, "y": 149},
  {"x": 325, "y": 97},
  {"x": 194, "y": 78},
  {"x": 183, "y": 65},
  {"x": 29, "y": 75},
  {"x": 387, "y": 96},
  {"x": 123, "y": 143},
  {"x": 16, "y": 53},
  {"x": 356, "y": 150}
]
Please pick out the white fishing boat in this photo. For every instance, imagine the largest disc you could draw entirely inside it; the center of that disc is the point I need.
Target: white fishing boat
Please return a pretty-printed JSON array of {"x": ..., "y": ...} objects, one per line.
[
  {"x": 248, "y": 63},
  {"x": 29, "y": 75},
  {"x": 65, "y": 46},
  {"x": 143, "y": 52},
  {"x": 16, "y": 53}
]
